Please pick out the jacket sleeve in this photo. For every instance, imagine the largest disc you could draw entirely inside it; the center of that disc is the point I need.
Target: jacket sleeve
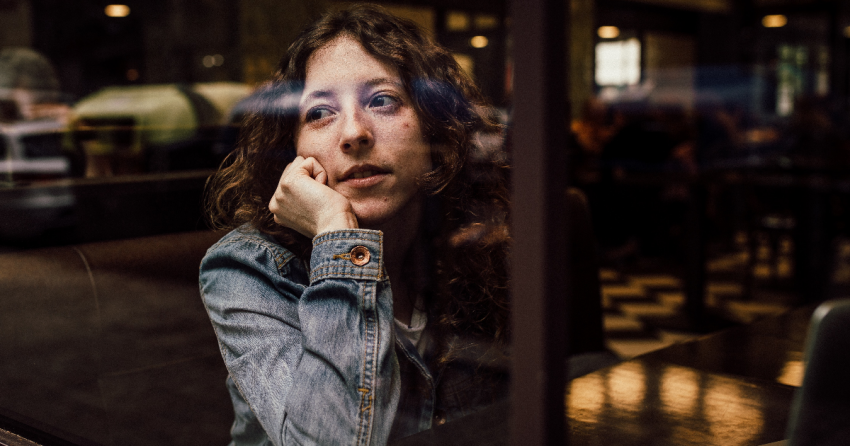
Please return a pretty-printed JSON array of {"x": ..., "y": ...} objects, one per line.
[{"x": 315, "y": 363}]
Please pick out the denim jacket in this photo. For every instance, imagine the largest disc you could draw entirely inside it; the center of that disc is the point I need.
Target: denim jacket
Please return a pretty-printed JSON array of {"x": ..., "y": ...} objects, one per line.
[{"x": 312, "y": 352}]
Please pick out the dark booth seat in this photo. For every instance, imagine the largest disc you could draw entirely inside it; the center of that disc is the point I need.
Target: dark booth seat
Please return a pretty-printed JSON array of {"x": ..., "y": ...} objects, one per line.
[
  {"x": 108, "y": 343},
  {"x": 587, "y": 350}
]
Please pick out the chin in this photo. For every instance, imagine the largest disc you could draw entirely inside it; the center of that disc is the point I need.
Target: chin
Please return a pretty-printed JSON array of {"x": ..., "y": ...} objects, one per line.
[
  {"x": 371, "y": 220},
  {"x": 384, "y": 216}
]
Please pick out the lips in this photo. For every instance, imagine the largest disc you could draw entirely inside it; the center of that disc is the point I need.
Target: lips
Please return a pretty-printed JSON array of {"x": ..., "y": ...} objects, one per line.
[{"x": 363, "y": 175}]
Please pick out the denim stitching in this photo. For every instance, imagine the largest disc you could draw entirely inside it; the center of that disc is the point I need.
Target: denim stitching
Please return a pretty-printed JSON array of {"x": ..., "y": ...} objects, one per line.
[
  {"x": 425, "y": 372},
  {"x": 371, "y": 347},
  {"x": 276, "y": 252},
  {"x": 361, "y": 234},
  {"x": 343, "y": 239},
  {"x": 314, "y": 277},
  {"x": 364, "y": 395},
  {"x": 348, "y": 267},
  {"x": 363, "y": 389}
]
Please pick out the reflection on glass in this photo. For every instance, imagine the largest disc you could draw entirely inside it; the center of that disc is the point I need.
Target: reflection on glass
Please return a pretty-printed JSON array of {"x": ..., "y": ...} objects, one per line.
[
  {"x": 754, "y": 111},
  {"x": 154, "y": 128}
]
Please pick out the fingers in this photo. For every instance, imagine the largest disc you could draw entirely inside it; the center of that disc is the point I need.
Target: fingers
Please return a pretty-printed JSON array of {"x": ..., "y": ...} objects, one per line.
[
  {"x": 315, "y": 170},
  {"x": 322, "y": 177},
  {"x": 291, "y": 166},
  {"x": 307, "y": 166},
  {"x": 304, "y": 202}
]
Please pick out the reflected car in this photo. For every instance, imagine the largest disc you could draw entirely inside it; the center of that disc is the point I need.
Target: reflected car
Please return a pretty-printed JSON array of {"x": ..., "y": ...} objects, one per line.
[
  {"x": 32, "y": 157},
  {"x": 152, "y": 128}
]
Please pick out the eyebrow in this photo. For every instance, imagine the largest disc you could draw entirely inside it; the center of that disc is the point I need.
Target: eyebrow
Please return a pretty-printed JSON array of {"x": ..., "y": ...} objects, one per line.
[
  {"x": 382, "y": 80},
  {"x": 320, "y": 94}
]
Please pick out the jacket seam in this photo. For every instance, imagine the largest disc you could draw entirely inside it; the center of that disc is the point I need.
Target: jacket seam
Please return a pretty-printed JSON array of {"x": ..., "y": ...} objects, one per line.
[
  {"x": 337, "y": 239},
  {"x": 371, "y": 347},
  {"x": 316, "y": 276},
  {"x": 223, "y": 354},
  {"x": 425, "y": 371},
  {"x": 280, "y": 254}
]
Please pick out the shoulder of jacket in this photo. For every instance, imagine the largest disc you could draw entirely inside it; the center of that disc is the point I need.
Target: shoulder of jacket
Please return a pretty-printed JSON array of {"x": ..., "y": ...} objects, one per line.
[{"x": 247, "y": 238}]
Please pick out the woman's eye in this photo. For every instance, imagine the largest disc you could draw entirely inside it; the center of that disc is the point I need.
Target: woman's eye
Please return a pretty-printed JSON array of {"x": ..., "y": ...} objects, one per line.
[
  {"x": 315, "y": 114},
  {"x": 383, "y": 101}
]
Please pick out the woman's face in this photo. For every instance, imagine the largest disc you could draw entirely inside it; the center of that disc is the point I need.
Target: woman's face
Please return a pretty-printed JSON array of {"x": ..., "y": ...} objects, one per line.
[{"x": 357, "y": 120}]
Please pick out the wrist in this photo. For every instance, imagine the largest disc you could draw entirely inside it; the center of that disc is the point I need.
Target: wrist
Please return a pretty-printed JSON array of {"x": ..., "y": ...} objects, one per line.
[{"x": 345, "y": 220}]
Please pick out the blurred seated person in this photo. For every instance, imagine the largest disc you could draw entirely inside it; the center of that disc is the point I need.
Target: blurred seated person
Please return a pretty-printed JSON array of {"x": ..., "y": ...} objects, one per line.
[
  {"x": 813, "y": 139},
  {"x": 589, "y": 133},
  {"x": 638, "y": 201}
]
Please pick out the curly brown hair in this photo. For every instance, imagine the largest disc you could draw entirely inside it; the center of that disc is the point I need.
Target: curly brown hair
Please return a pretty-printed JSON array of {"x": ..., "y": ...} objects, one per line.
[{"x": 467, "y": 204}]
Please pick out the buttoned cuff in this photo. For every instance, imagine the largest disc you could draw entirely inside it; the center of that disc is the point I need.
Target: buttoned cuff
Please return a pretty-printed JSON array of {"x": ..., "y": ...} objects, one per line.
[{"x": 347, "y": 253}]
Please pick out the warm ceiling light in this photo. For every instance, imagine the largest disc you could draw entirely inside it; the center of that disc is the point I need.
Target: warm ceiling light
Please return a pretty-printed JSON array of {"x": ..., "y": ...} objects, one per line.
[
  {"x": 774, "y": 21},
  {"x": 478, "y": 42},
  {"x": 457, "y": 21},
  {"x": 117, "y": 10},
  {"x": 608, "y": 32},
  {"x": 215, "y": 60},
  {"x": 847, "y": 32}
]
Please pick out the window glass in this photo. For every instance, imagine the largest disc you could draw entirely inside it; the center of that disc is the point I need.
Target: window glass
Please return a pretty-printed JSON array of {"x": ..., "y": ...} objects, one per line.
[
  {"x": 708, "y": 155},
  {"x": 115, "y": 120}
]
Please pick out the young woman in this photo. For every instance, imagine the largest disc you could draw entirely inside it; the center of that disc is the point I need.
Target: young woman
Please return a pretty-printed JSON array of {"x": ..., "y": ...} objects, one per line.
[{"x": 361, "y": 294}]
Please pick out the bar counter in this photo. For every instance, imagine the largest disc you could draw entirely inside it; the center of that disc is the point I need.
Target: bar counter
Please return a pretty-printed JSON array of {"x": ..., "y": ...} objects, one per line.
[{"x": 733, "y": 387}]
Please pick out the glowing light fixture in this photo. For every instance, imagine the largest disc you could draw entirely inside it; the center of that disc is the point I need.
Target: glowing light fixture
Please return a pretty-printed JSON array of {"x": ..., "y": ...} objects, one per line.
[
  {"x": 457, "y": 21},
  {"x": 847, "y": 32},
  {"x": 608, "y": 32},
  {"x": 214, "y": 60},
  {"x": 774, "y": 21},
  {"x": 478, "y": 42},
  {"x": 618, "y": 62},
  {"x": 117, "y": 10}
]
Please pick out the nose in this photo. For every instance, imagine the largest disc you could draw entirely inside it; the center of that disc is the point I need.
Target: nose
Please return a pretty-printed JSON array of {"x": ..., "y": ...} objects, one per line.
[{"x": 356, "y": 132}]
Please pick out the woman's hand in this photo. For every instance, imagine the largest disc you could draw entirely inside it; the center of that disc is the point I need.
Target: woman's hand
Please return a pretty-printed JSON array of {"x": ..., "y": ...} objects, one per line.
[{"x": 304, "y": 202}]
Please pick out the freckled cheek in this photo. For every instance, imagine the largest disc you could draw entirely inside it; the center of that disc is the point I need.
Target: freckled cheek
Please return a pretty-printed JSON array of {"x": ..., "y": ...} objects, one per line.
[{"x": 308, "y": 147}]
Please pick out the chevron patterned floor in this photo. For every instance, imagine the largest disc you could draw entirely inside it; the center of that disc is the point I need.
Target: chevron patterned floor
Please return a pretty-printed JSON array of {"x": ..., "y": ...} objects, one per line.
[{"x": 633, "y": 296}]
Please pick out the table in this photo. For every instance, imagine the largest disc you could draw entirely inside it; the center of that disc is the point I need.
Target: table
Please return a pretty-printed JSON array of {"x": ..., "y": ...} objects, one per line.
[{"x": 733, "y": 387}]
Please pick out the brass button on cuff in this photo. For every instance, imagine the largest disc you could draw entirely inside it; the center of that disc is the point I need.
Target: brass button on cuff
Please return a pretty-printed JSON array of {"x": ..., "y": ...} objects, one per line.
[{"x": 360, "y": 255}]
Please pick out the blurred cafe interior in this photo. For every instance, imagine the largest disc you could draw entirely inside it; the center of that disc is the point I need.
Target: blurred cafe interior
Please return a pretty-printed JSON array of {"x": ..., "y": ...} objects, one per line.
[{"x": 690, "y": 157}]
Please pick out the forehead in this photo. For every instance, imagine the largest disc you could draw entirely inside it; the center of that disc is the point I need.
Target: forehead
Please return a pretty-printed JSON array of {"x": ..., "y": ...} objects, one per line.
[{"x": 342, "y": 61}]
